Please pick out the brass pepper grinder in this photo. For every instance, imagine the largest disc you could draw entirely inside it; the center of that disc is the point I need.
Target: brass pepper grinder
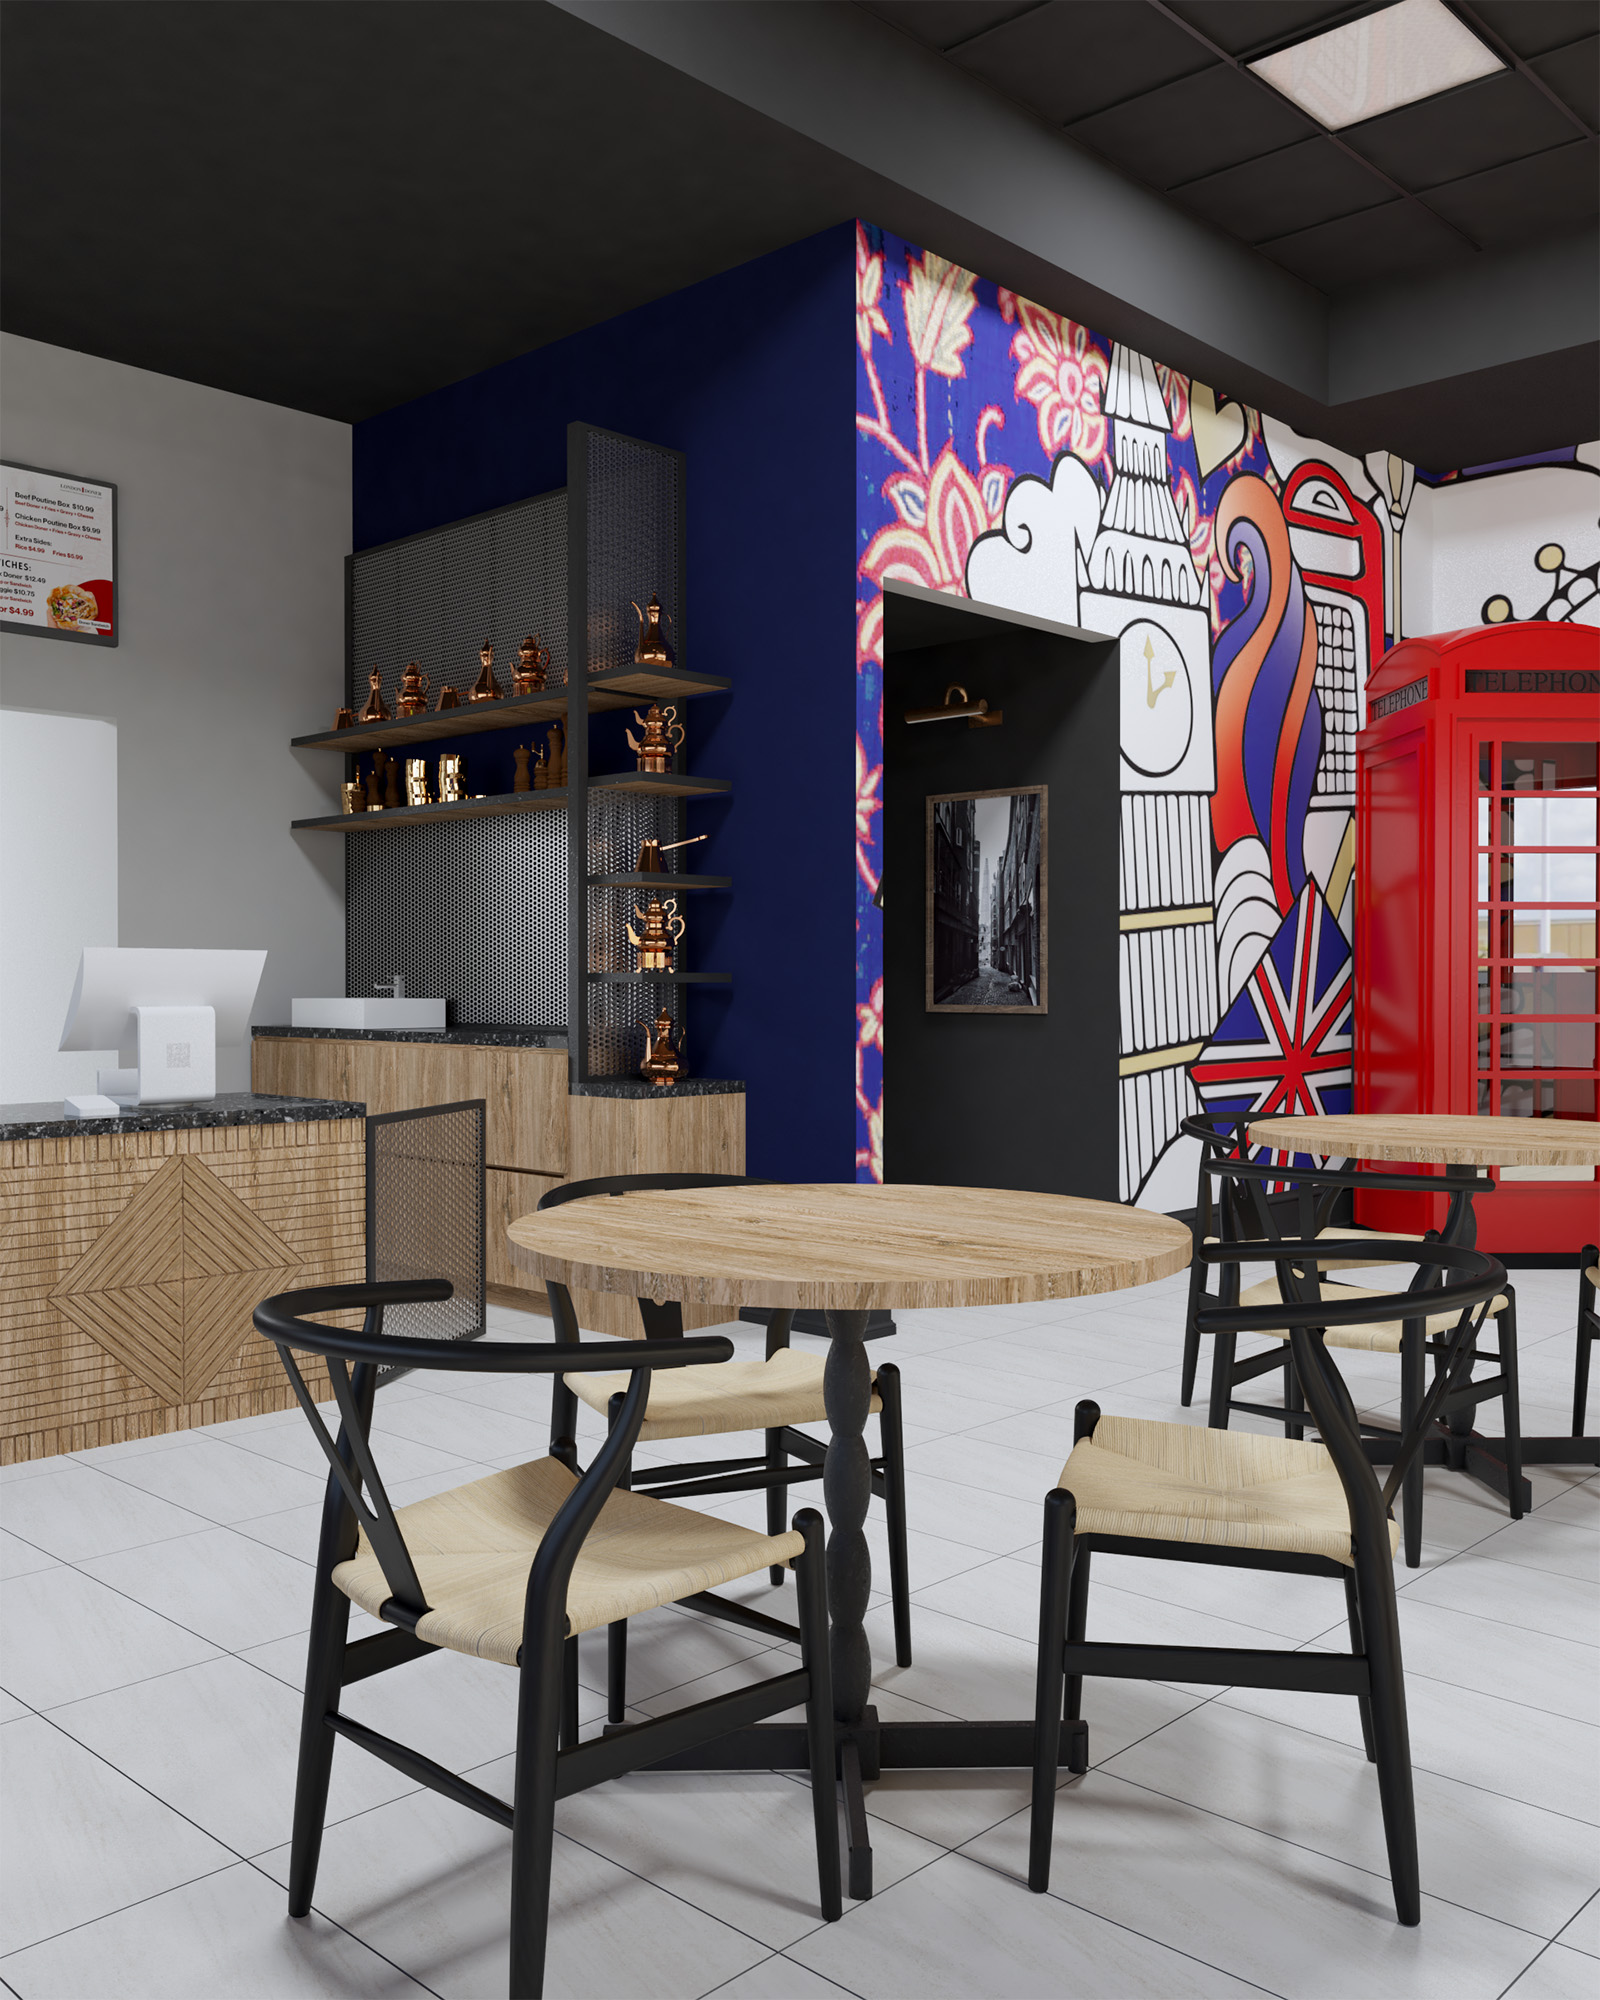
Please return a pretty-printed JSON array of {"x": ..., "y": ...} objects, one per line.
[
  {"x": 533, "y": 664},
  {"x": 485, "y": 687},
  {"x": 377, "y": 709},
  {"x": 375, "y": 784},
  {"x": 523, "y": 781},
  {"x": 652, "y": 649},
  {"x": 663, "y": 927},
  {"x": 663, "y": 732},
  {"x": 414, "y": 686},
  {"x": 557, "y": 776},
  {"x": 541, "y": 771},
  {"x": 662, "y": 1064}
]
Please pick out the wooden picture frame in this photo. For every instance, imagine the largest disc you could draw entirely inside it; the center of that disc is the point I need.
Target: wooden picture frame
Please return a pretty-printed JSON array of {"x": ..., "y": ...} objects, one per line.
[{"x": 987, "y": 948}]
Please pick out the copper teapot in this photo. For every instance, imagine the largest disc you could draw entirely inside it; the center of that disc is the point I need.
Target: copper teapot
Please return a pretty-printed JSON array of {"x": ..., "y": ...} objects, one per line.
[
  {"x": 377, "y": 709},
  {"x": 485, "y": 687},
  {"x": 662, "y": 1064},
  {"x": 663, "y": 732},
  {"x": 532, "y": 666},
  {"x": 414, "y": 690},
  {"x": 652, "y": 649},
  {"x": 662, "y": 929}
]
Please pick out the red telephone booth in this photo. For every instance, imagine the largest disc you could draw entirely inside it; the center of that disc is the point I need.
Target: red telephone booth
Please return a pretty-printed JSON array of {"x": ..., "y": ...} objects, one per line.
[{"x": 1475, "y": 906}]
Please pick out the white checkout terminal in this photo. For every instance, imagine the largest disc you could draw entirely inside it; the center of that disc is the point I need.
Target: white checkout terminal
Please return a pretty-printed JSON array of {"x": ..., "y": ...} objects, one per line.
[{"x": 164, "y": 1012}]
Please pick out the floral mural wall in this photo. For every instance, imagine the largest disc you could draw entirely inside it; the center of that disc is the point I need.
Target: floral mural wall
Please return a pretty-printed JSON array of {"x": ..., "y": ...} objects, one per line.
[{"x": 1250, "y": 577}]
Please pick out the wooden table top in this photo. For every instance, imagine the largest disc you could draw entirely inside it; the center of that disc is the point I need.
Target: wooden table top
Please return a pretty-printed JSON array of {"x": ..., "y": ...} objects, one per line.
[
  {"x": 1437, "y": 1139},
  {"x": 849, "y": 1247}
]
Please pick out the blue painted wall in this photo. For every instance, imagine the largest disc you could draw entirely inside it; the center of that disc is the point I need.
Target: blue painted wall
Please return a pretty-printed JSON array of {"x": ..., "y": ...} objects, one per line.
[{"x": 752, "y": 376}]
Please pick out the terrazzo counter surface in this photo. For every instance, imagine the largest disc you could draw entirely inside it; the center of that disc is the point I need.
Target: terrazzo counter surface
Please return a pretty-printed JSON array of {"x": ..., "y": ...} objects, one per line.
[{"x": 239, "y": 1107}]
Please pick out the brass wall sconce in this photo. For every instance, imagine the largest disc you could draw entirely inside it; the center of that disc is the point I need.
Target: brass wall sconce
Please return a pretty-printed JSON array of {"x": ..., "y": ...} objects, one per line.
[{"x": 975, "y": 713}]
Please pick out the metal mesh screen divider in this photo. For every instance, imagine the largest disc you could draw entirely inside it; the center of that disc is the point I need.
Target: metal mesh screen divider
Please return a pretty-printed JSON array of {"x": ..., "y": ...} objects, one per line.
[{"x": 425, "y": 1216}]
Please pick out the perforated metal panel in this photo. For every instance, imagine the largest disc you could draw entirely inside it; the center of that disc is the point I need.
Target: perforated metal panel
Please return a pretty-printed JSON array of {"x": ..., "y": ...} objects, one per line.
[
  {"x": 634, "y": 544},
  {"x": 425, "y": 1215},
  {"x": 435, "y": 597},
  {"x": 474, "y": 910}
]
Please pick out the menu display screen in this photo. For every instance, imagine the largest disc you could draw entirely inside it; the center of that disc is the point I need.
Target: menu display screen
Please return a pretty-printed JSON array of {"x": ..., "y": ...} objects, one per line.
[{"x": 58, "y": 555}]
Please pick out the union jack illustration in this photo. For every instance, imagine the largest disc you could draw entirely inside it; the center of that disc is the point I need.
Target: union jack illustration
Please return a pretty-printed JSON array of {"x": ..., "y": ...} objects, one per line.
[{"x": 1284, "y": 1046}]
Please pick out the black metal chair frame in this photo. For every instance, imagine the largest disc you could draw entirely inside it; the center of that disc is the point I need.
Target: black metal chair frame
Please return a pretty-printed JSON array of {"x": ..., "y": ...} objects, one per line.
[
  {"x": 1588, "y": 1334},
  {"x": 1240, "y": 1212},
  {"x": 551, "y": 1763},
  {"x": 1372, "y": 1670},
  {"x": 379, "y": 1122},
  {"x": 771, "y": 1471}
]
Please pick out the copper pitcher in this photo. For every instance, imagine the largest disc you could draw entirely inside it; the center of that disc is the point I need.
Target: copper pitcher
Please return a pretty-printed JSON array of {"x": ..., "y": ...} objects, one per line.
[
  {"x": 485, "y": 687},
  {"x": 377, "y": 709},
  {"x": 414, "y": 689},
  {"x": 652, "y": 649},
  {"x": 662, "y": 1063}
]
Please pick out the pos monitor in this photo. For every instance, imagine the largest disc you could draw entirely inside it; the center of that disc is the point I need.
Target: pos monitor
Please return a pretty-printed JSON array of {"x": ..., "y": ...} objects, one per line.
[{"x": 168, "y": 1010}]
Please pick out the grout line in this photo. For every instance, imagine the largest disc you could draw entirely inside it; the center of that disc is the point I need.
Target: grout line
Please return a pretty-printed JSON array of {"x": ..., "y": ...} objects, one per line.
[
  {"x": 155, "y": 1896},
  {"x": 345, "y": 1929}
]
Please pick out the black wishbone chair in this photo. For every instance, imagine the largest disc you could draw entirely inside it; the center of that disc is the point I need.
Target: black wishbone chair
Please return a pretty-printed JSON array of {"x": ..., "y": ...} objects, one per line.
[
  {"x": 775, "y": 1396},
  {"x": 1238, "y": 1210},
  {"x": 510, "y": 1568},
  {"x": 1588, "y": 1331},
  {"x": 1181, "y": 1493}
]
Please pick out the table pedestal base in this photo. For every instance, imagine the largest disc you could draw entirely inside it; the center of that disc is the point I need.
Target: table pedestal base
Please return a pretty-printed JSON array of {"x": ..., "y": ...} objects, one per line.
[
  {"x": 871, "y": 1748},
  {"x": 1561, "y": 1451},
  {"x": 1479, "y": 1457}
]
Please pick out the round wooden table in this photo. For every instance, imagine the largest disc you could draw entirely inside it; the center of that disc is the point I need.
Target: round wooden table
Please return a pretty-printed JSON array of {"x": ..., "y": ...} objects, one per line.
[
  {"x": 1434, "y": 1138},
  {"x": 846, "y": 1250}
]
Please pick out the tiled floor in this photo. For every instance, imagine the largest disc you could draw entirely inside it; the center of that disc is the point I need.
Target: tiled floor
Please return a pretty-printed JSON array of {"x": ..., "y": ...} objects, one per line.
[{"x": 1223, "y": 1843}]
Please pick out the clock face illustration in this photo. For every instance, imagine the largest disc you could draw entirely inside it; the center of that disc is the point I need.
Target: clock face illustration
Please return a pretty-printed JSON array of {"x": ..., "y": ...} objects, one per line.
[{"x": 1157, "y": 701}]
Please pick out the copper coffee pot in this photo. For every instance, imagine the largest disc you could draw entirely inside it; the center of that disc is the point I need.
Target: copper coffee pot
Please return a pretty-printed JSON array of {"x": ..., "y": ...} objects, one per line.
[
  {"x": 532, "y": 666},
  {"x": 414, "y": 686},
  {"x": 377, "y": 709},
  {"x": 345, "y": 719},
  {"x": 663, "y": 732},
  {"x": 662, "y": 929},
  {"x": 651, "y": 851},
  {"x": 662, "y": 1064},
  {"x": 485, "y": 687},
  {"x": 652, "y": 649},
  {"x": 448, "y": 698}
]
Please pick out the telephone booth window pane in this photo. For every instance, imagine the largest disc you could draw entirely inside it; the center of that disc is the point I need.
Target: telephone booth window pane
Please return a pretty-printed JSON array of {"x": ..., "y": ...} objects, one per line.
[
  {"x": 1549, "y": 933},
  {"x": 1562, "y": 878},
  {"x": 1545, "y": 1097},
  {"x": 1483, "y": 822},
  {"x": 1548, "y": 767},
  {"x": 1486, "y": 993},
  {"x": 1547, "y": 1045},
  {"x": 1546, "y": 989},
  {"x": 1483, "y": 878},
  {"x": 1548, "y": 822}
]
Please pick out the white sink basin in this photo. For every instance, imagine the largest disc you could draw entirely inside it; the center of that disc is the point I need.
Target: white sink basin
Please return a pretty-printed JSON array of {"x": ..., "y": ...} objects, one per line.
[{"x": 375, "y": 1013}]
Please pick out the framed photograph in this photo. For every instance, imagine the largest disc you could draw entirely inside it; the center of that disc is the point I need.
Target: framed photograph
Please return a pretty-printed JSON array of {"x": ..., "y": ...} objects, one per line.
[
  {"x": 986, "y": 878},
  {"x": 58, "y": 555}
]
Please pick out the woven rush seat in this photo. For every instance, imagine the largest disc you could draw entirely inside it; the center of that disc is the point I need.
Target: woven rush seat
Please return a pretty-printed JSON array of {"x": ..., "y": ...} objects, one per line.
[
  {"x": 1381, "y": 1337},
  {"x": 474, "y": 1546},
  {"x": 1593, "y": 1275},
  {"x": 735, "y": 1396},
  {"x": 1180, "y": 1483}
]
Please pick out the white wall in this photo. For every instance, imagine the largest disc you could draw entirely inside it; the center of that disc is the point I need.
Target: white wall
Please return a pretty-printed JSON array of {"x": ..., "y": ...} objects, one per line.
[
  {"x": 58, "y": 890},
  {"x": 1477, "y": 538},
  {"x": 234, "y": 519}
]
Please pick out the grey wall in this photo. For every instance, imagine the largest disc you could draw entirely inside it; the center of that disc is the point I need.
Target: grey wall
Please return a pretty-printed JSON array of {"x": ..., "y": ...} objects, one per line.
[{"x": 234, "y": 519}]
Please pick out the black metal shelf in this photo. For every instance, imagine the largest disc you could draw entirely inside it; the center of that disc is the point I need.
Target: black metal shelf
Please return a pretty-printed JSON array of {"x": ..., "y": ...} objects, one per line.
[
  {"x": 659, "y": 784},
  {"x": 661, "y": 978},
  {"x": 393, "y": 816},
  {"x": 620, "y": 687},
  {"x": 661, "y": 880}
]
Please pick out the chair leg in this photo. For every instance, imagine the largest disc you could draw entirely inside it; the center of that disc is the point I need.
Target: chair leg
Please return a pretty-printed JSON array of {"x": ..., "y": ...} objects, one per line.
[
  {"x": 1191, "y": 1363},
  {"x": 891, "y": 1438},
  {"x": 330, "y": 1624},
  {"x": 1589, "y": 1256},
  {"x": 617, "y": 1632},
  {"x": 1222, "y": 1346},
  {"x": 569, "y": 1694},
  {"x": 1077, "y": 1624},
  {"x": 1294, "y": 1397},
  {"x": 777, "y": 1459},
  {"x": 1391, "y": 1737},
  {"x": 1352, "y": 1606},
  {"x": 533, "y": 1808},
  {"x": 812, "y": 1577},
  {"x": 1511, "y": 1404},
  {"x": 1060, "y": 1519},
  {"x": 563, "y": 1423},
  {"x": 1413, "y": 1367}
]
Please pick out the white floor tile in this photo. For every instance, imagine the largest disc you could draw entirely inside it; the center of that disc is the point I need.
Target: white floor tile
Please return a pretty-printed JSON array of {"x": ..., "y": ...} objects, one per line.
[
  {"x": 1556, "y": 1974},
  {"x": 1578, "y": 1504},
  {"x": 951, "y": 1932},
  {"x": 78, "y": 1840},
  {"x": 403, "y": 1458},
  {"x": 220, "y": 1482},
  {"x": 231, "y": 1590},
  {"x": 1458, "y": 1649},
  {"x": 1278, "y": 1914},
  {"x": 74, "y": 1511},
  {"x": 66, "y": 1636},
  {"x": 1537, "y": 1542},
  {"x": 226, "y": 1935},
  {"x": 779, "y": 1978},
  {"x": 1533, "y": 1600},
  {"x": 1505, "y": 1860},
  {"x": 430, "y": 1887},
  {"x": 10, "y": 1708},
  {"x": 219, "y": 1742},
  {"x": 667, "y": 1648},
  {"x": 464, "y": 1431},
  {"x": 1583, "y": 1933},
  {"x": 20, "y": 1558}
]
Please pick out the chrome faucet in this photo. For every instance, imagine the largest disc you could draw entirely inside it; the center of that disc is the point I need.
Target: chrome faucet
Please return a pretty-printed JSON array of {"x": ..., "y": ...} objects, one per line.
[{"x": 394, "y": 986}]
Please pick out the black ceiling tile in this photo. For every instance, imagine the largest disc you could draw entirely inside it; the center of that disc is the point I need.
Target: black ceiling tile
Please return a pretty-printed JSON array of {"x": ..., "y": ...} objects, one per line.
[
  {"x": 1072, "y": 57},
  {"x": 1573, "y": 73},
  {"x": 1465, "y": 131},
  {"x": 1243, "y": 27},
  {"x": 1293, "y": 189},
  {"x": 1532, "y": 26},
  {"x": 940, "y": 23},
  {"x": 1398, "y": 240},
  {"x": 1194, "y": 127},
  {"x": 1543, "y": 196}
]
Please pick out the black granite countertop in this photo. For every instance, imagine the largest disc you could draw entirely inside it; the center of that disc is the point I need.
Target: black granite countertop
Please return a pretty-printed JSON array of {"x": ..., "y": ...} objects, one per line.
[
  {"x": 239, "y": 1107},
  {"x": 636, "y": 1086},
  {"x": 495, "y": 1038}
]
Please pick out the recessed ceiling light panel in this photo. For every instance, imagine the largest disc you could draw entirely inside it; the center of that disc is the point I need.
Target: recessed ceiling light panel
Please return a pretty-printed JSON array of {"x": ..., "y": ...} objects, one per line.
[{"x": 1394, "y": 57}]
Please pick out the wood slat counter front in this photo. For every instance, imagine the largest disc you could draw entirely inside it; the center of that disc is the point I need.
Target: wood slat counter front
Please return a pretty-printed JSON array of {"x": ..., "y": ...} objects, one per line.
[
  {"x": 132, "y": 1251},
  {"x": 538, "y": 1132}
]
